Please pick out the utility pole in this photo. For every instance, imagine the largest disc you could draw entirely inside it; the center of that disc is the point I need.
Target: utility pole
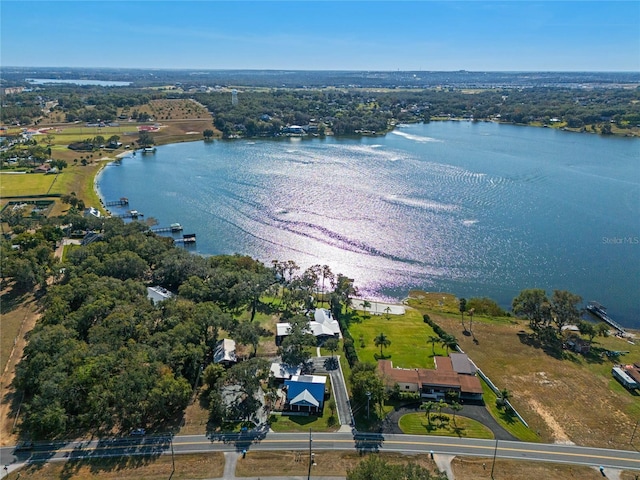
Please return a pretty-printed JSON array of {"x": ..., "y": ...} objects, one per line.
[
  {"x": 310, "y": 459},
  {"x": 493, "y": 465},
  {"x": 368, "y": 399},
  {"x": 173, "y": 460},
  {"x": 634, "y": 432}
]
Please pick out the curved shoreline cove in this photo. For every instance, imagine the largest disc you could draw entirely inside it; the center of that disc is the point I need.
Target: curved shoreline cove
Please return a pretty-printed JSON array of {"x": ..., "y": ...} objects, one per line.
[{"x": 476, "y": 209}]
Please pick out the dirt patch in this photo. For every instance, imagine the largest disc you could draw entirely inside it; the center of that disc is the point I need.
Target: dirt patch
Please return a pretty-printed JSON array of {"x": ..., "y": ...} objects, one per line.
[
  {"x": 285, "y": 464},
  {"x": 189, "y": 467},
  {"x": 196, "y": 415},
  {"x": 27, "y": 311},
  {"x": 558, "y": 432},
  {"x": 465, "y": 468}
]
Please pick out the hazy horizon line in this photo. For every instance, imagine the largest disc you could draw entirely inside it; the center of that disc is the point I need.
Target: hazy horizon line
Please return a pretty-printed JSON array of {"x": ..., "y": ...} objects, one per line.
[{"x": 314, "y": 70}]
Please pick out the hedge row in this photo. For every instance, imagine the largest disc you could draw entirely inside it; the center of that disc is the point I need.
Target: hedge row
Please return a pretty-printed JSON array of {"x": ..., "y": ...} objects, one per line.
[
  {"x": 348, "y": 346},
  {"x": 436, "y": 328}
]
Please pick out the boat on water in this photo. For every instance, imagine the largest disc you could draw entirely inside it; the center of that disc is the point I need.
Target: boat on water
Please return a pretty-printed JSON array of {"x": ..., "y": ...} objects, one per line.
[{"x": 149, "y": 150}]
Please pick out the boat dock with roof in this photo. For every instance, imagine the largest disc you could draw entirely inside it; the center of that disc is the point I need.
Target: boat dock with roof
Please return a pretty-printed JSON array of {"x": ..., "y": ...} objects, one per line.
[{"x": 601, "y": 312}]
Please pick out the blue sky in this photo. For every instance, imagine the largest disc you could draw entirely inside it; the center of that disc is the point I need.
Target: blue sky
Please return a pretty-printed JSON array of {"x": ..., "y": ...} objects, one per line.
[{"x": 326, "y": 35}]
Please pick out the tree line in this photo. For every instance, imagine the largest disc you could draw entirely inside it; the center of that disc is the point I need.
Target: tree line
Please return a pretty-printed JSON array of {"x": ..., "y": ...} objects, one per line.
[
  {"x": 349, "y": 111},
  {"x": 104, "y": 358}
]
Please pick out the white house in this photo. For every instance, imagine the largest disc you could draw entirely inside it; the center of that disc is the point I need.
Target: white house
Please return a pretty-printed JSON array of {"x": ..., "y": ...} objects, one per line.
[
  {"x": 225, "y": 352},
  {"x": 322, "y": 326},
  {"x": 280, "y": 371},
  {"x": 158, "y": 294}
]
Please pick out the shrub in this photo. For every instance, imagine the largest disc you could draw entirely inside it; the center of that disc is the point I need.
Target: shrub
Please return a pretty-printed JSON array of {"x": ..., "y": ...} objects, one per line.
[{"x": 350, "y": 351}]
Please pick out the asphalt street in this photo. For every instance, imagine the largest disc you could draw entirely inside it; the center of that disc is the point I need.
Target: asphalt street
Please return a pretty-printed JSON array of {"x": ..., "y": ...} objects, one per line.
[{"x": 263, "y": 440}]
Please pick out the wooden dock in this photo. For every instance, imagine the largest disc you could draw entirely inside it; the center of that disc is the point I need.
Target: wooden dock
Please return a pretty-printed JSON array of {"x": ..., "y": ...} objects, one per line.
[
  {"x": 123, "y": 202},
  {"x": 174, "y": 227},
  {"x": 130, "y": 214},
  {"x": 601, "y": 312},
  {"x": 186, "y": 238}
]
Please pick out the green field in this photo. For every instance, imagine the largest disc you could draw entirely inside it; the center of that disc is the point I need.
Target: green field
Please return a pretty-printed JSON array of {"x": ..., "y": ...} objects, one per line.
[
  {"x": 408, "y": 335},
  {"x": 78, "y": 179},
  {"x": 28, "y": 184},
  {"x": 67, "y": 135},
  {"x": 417, "y": 424}
]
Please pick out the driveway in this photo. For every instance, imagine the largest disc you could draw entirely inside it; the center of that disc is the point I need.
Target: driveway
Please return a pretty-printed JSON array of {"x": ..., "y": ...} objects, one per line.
[
  {"x": 331, "y": 366},
  {"x": 474, "y": 412}
]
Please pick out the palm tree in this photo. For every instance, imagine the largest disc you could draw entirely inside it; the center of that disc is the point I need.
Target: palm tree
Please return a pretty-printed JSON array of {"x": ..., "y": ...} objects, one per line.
[
  {"x": 432, "y": 339},
  {"x": 428, "y": 406},
  {"x": 456, "y": 407},
  {"x": 449, "y": 342},
  {"x": 381, "y": 341},
  {"x": 332, "y": 345},
  {"x": 366, "y": 304},
  {"x": 326, "y": 274},
  {"x": 439, "y": 406},
  {"x": 505, "y": 396},
  {"x": 387, "y": 311},
  {"x": 463, "y": 308}
]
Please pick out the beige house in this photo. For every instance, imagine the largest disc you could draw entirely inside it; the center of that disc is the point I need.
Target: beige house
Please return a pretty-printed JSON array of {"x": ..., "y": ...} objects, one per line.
[{"x": 452, "y": 374}]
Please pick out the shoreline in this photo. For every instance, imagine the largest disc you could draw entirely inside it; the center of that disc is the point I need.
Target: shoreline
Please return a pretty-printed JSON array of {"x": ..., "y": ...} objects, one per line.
[
  {"x": 383, "y": 297},
  {"x": 96, "y": 177}
]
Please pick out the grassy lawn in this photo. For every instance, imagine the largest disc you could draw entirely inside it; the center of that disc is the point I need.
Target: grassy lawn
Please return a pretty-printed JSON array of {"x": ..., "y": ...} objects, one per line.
[
  {"x": 510, "y": 423},
  {"x": 564, "y": 397},
  {"x": 298, "y": 423},
  {"x": 443, "y": 425},
  {"x": 26, "y": 184},
  {"x": 135, "y": 468},
  {"x": 408, "y": 335},
  {"x": 294, "y": 423},
  {"x": 78, "y": 179}
]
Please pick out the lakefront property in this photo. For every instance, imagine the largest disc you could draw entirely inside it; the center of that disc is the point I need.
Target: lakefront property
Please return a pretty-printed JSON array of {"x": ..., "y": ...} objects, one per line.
[
  {"x": 210, "y": 339},
  {"x": 454, "y": 374}
]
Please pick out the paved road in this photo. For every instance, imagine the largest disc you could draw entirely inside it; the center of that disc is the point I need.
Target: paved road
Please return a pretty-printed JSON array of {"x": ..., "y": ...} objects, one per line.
[{"x": 267, "y": 441}]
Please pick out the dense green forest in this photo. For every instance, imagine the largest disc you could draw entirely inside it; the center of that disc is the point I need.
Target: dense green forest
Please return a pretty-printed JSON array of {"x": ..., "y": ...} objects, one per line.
[
  {"x": 104, "y": 358},
  {"x": 346, "y": 111},
  {"x": 363, "y": 111}
]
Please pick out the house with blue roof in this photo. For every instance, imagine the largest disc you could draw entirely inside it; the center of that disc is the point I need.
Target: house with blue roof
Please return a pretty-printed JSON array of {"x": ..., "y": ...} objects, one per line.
[{"x": 305, "y": 393}]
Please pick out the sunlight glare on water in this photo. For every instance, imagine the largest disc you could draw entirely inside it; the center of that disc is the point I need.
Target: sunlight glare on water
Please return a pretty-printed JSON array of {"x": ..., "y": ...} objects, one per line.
[{"x": 477, "y": 209}]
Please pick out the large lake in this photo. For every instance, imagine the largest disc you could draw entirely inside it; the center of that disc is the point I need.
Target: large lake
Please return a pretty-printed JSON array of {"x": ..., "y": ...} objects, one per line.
[{"x": 476, "y": 209}]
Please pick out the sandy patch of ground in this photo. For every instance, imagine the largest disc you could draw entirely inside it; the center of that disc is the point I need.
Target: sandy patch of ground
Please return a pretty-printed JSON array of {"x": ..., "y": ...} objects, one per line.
[
  {"x": 7, "y": 392},
  {"x": 192, "y": 133},
  {"x": 559, "y": 434}
]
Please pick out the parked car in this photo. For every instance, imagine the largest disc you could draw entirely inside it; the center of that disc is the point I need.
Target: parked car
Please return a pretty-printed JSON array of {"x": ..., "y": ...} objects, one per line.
[{"x": 138, "y": 432}]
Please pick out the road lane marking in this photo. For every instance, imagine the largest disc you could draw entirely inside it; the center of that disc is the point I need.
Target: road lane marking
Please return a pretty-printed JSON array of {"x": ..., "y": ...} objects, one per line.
[{"x": 153, "y": 448}]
